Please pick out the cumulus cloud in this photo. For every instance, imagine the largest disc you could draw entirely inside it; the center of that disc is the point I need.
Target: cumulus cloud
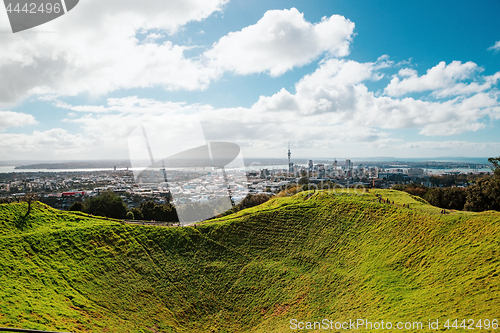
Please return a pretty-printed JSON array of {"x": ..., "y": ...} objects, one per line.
[
  {"x": 94, "y": 49},
  {"x": 171, "y": 121},
  {"x": 280, "y": 41},
  {"x": 256, "y": 132},
  {"x": 439, "y": 78},
  {"x": 130, "y": 104},
  {"x": 94, "y": 52},
  {"x": 15, "y": 119},
  {"x": 331, "y": 107},
  {"x": 495, "y": 47},
  {"x": 453, "y": 145},
  {"x": 54, "y": 143},
  {"x": 91, "y": 51},
  {"x": 336, "y": 94}
]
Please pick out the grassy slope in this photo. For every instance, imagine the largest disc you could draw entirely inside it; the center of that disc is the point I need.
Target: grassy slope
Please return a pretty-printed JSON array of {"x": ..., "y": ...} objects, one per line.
[{"x": 310, "y": 256}]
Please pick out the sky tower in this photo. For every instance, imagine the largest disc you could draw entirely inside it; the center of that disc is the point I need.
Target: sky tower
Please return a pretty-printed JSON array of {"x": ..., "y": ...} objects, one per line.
[{"x": 290, "y": 165}]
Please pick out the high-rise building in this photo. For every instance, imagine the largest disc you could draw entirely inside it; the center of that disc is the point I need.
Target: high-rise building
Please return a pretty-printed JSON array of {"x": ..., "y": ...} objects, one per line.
[
  {"x": 348, "y": 164},
  {"x": 290, "y": 164}
]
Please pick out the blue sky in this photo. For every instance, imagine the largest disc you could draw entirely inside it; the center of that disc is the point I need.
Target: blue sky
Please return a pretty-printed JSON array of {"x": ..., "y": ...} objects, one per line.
[{"x": 335, "y": 78}]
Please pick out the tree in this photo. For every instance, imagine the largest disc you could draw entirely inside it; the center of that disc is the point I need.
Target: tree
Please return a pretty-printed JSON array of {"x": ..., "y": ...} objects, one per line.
[
  {"x": 76, "y": 207},
  {"x": 496, "y": 165},
  {"x": 412, "y": 188},
  {"x": 151, "y": 211},
  {"x": 250, "y": 200},
  {"x": 448, "y": 198},
  {"x": 304, "y": 180},
  {"x": 29, "y": 198},
  {"x": 137, "y": 213},
  {"x": 416, "y": 189},
  {"x": 485, "y": 195},
  {"x": 107, "y": 204}
]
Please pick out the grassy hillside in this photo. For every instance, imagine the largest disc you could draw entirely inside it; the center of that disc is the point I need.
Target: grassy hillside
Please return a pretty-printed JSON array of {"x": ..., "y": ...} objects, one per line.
[{"x": 310, "y": 256}]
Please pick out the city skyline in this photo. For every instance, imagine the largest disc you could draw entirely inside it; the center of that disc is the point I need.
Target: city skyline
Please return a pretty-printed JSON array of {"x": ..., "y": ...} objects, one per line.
[{"x": 335, "y": 79}]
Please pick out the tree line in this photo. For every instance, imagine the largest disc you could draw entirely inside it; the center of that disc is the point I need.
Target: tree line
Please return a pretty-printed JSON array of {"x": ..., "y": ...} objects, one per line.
[
  {"x": 481, "y": 196},
  {"x": 108, "y": 204}
]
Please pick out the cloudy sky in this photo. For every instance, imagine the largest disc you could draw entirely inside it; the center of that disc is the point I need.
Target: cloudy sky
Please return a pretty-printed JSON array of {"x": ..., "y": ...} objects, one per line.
[{"x": 342, "y": 78}]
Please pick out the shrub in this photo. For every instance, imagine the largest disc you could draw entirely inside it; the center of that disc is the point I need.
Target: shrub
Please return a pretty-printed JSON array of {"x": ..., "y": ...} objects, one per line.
[
  {"x": 76, "y": 207},
  {"x": 107, "y": 204}
]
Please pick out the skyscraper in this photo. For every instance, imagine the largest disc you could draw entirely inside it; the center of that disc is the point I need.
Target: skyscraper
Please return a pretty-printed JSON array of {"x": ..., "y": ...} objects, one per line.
[{"x": 348, "y": 164}]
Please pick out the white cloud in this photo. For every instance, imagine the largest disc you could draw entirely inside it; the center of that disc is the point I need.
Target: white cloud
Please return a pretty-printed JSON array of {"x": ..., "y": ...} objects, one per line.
[
  {"x": 111, "y": 124},
  {"x": 15, "y": 119},
  {"x": 439, "y": 78},
  {"x": 130, "y": 104},
  {"x": 54, "y": 143},
  {"x": 453, "y": 145},
  {"x": 335, "y": 94},
  {"x": 94, "y": 49},
  {"x": 495, "y": 47},
  {"x": 280, "y": 41},
  {"x": 94, "y": 52},
  {"x": 331, "y": 107},
  {"x": 460, "y": 88},
  {"x": 152, "y": 37},
  {"x": 315, "y": 119}
]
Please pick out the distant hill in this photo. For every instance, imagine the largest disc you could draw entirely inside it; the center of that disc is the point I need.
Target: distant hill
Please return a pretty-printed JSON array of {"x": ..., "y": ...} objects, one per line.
[
  {"x": 77, "y": 165},
  {"x": 309, "y": 257}
]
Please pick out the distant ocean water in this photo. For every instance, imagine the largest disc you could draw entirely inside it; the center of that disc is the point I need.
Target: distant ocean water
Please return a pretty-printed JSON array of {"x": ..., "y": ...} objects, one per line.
[
  {"x": 254, "y": 167},
  {"x": 8, "y": 169}
]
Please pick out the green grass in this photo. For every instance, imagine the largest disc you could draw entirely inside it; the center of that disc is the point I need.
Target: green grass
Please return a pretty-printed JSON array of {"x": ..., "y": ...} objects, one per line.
[{"x": 310, "y": 256}]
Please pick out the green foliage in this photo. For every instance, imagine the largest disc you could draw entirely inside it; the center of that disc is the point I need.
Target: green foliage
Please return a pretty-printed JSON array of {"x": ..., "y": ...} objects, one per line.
[
  {"x": 151, "y": 211},
  {"x": 412, "y": 188},
  {"x": 137, "y": 213},
  {"x": 130, "y": 215},
  {"x": 485, "y": 195},
  {"x": 251, "y": 200},
  {"x": 310, "y": 256},
  {"x": 448, "y": 198},
  {"x": 76, "y": 206},
  {"x": 303, "y": 180},
  {"x": 449, "y": 180},
  {"x": 496, "y": 165},
  {"x": 106, "y": 204}
]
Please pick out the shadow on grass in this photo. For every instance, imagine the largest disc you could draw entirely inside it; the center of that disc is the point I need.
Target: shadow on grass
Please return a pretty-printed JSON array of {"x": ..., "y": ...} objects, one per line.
[{"x": 22, "y": 222}]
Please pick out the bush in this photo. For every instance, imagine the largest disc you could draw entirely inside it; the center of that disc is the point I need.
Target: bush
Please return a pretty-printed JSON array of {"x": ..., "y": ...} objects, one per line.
[
  {"x": 448, "y": 198},
  {"x": 251, "y": 200},
  {"x": 107, "y": 204},
  {"x": 413, "y": 189},
  {"x": 304, "y": 180},
  {"x": 137, "y": 214},
  {"x": 485, "y": 195},
  {"x": 151, "y": 211},
  {"x": 76, "y": 207}
]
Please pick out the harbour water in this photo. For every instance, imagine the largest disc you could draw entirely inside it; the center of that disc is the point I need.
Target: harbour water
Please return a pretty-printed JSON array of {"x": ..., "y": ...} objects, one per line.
[{"x": 252, "y": 167}]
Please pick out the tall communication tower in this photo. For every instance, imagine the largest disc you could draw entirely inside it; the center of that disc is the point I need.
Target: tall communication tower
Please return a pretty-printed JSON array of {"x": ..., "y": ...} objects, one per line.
[{"x": 289, "y": 164}]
